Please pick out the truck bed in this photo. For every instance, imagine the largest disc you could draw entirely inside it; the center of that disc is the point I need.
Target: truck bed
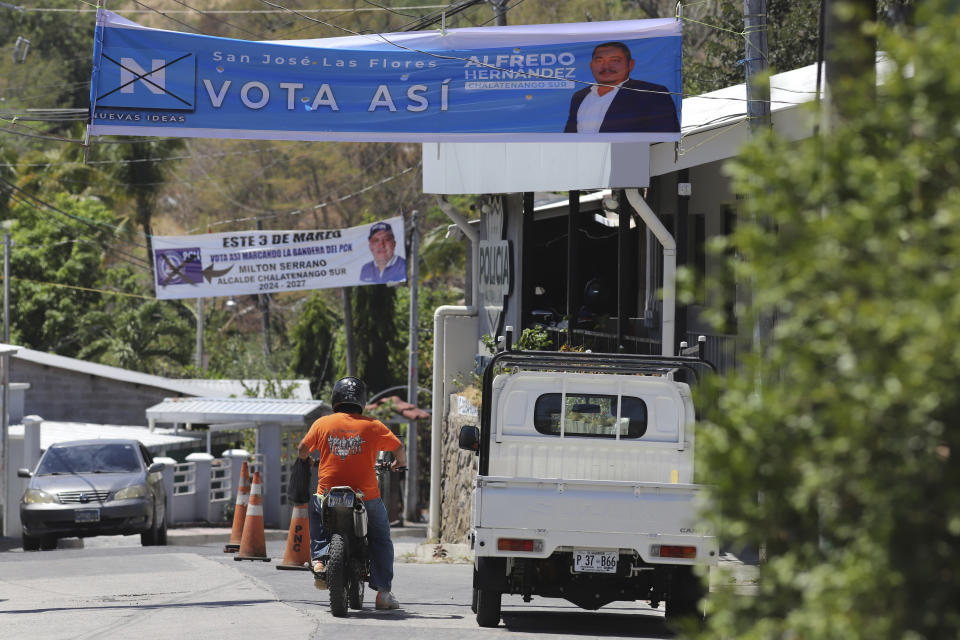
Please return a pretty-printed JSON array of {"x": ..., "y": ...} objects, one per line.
[{"x": 589, "y": 513}]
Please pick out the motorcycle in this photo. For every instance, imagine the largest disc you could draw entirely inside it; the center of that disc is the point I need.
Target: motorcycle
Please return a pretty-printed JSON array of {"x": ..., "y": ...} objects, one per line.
[{"x": 347, "y": 566}]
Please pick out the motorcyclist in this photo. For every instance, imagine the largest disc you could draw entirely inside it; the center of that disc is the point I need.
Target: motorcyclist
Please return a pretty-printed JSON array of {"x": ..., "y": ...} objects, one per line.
[{"x": 348, "y": 443}]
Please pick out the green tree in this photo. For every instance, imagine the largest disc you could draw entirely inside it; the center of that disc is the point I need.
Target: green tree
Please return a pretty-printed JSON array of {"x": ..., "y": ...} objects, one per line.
[
  {"x": 837, "y": 449},
  {"x": 57, "y": 69},
  {"x": 132, "y": 331},
  {"x": 56, "y": 264},
  {"x": 375, "y": 335},
  {"x": 313, "y": 338},
  {"x": 141, "y": 169}
]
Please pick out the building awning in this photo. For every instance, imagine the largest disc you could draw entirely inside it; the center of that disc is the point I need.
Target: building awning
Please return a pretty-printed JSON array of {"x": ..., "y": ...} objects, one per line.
[{"x": 236, "y": 411}]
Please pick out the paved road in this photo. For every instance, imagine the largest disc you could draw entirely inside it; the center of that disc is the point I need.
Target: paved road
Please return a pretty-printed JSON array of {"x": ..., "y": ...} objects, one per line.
[{"x": 114, "y": 589}]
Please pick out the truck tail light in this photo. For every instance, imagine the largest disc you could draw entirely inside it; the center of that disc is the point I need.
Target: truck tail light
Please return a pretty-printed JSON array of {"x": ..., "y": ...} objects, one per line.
[
  {"x": 519, "y": 544},
  {"x": 673, "y": 551}
]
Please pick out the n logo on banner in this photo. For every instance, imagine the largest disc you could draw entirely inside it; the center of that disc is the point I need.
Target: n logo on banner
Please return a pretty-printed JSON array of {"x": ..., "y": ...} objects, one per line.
[
  {"x": 148, "y": 79},
  {"x": 131, "y": 72}
]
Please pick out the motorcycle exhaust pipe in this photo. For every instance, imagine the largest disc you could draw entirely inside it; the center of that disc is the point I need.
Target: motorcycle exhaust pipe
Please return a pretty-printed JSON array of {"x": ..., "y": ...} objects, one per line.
[{"x": 360, "y": 521}]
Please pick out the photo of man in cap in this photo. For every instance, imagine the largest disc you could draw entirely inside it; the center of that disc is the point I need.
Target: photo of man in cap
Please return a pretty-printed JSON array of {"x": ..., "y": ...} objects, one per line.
[{"x": 385, "y": 266}]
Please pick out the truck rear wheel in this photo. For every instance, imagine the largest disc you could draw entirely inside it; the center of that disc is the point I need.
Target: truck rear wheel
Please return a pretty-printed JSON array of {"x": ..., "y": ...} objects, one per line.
[
  {"x": 686, "y": 591},
  {"x": 488, "y": 607}
]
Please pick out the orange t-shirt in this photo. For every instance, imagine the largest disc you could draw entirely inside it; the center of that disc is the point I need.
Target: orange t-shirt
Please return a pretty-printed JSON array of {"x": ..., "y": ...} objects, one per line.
[{"x": 348, "y": 444}]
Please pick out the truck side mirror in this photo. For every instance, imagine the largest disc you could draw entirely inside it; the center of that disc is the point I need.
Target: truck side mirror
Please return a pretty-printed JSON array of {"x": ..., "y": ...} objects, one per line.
[
  {"x": 24, "y": 473},
  {"x": 470, "y": 438}
]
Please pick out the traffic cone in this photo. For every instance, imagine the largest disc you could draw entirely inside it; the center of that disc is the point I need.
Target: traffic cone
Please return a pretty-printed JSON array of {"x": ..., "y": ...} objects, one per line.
[
  {"x": 252, "y": 544},
  {"x": 297, "y": 556},
  {"x": 240, "y": 511}
]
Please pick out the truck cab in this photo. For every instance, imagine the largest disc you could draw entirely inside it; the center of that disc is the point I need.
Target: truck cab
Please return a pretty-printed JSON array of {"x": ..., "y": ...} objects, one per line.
[{"x": 584, "y": 487}]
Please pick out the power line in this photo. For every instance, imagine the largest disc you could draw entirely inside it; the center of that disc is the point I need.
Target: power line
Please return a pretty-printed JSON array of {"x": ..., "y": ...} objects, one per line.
[
  {"x": 137, "y": 160},
  {"x": 224, "y": 22},
  {"x": 373, "y": 8},
  {"x": 382, "y": 38},
  {"x": 79, "y": 288},
  {"x": 93, "y": 224},
  {"x": 315, "y": 207},
  {"x": 27, "y": 200}
]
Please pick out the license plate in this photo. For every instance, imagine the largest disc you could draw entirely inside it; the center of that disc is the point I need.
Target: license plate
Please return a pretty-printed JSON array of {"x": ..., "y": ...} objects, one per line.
[
  {"x": 593, "y": 561},
  {"x": 86, "y": 515}
]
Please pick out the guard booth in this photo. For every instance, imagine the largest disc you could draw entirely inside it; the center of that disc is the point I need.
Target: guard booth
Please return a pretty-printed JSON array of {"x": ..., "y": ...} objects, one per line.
[{"x": 279, "y": 426}]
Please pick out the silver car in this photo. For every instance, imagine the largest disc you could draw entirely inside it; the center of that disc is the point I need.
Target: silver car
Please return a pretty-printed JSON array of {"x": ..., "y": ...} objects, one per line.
[{"x": 92, "y": 488}]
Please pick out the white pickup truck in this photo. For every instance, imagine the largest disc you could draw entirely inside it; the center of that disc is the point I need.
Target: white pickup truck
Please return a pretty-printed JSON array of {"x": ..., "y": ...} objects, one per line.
[{"x": 584, "y": 488}]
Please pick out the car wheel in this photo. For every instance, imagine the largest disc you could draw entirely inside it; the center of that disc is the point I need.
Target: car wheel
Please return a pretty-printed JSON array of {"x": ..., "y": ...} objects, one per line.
[
  {"x": 48, "y": 543},
  {"x": 151, "y": 536},
  {"x": 31, "y": 543},
  {"x": 161, "y": 538}
]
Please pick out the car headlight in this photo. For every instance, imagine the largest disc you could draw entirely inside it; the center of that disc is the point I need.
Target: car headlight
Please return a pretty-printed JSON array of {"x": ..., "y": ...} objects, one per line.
[
  {"x": 36, "y": 496},
  {"x": 133, "y": 491}
]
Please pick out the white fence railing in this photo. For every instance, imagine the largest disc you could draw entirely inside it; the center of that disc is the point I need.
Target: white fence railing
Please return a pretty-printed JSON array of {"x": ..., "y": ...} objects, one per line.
[
  {"x": 221, "y": 480},
  {"x": 185, "y": 479}
]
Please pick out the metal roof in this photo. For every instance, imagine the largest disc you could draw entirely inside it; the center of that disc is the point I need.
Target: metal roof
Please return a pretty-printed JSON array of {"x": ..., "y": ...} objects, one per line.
[
  {"x": 236, "y": 410},
  {"x": 109, "y": 372},
  {"x": 52, "y": 432},
  {"x": 299, "y": 388},
  {"x": 8, "y": 349},
  {"x": 190, "y": 387}
]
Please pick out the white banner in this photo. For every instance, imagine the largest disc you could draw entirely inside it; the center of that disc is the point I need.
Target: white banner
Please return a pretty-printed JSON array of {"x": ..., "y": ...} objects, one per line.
[{"x": 267, "y": 261}]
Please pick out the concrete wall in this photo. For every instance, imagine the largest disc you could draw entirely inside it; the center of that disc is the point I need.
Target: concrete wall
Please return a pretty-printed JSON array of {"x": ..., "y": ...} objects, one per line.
[{"x": 70, "y": 396}]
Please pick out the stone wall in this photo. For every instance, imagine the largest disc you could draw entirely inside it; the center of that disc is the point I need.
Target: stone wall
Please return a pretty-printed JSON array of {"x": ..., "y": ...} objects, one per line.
[{"x": 458, "y": 469}]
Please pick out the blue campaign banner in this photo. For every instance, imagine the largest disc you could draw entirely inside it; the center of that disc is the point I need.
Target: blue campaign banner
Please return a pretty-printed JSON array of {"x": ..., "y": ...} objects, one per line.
[{"x": 596, "y": 81}]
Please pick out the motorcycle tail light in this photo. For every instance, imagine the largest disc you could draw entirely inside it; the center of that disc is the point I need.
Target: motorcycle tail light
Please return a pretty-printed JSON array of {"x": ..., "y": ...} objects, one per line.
[
  {"x": 673, "y": 551},
  {"x": 519, "y": 544}
]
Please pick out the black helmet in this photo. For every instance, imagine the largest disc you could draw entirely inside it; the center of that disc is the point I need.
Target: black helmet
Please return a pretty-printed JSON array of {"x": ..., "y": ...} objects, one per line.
[{"x": 349, "y": 393}]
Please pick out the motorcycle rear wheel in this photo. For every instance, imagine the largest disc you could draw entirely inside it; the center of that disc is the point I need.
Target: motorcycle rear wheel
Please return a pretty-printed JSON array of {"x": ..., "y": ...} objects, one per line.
[
  {"x": 337, "y": 578},
  {"x": 355, "y": 586}
]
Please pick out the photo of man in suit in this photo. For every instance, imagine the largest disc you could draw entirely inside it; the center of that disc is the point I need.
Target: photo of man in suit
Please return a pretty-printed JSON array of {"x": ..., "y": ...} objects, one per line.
[
  {"x": 385, "y": 266},
  {"x": 618, "y": 103}
]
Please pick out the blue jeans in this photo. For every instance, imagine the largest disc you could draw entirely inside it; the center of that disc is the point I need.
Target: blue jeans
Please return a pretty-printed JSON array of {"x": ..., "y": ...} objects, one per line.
[{"x": 378, "y": 537}]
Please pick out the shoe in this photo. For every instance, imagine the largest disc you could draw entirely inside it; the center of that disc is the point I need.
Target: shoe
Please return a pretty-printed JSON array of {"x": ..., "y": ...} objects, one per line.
[
  {"x": 319, "y": 576},
  {"x": 386, "y": 600}
]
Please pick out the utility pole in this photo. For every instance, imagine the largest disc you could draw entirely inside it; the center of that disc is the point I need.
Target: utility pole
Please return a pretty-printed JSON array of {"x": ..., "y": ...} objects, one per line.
[
  {"x": 411, "y": 496},
  {"x": 348, "y": 331},
  {"x": 199, "y": 351},
  {"x": 850, "y": 53},
  {"x": 755, "y": 63},
  {"x": 500, "y": 11},
  {"x": 758, "y": 119},
  {"x": 5, "y": 381},
  {"x": 264, "y": 299}
]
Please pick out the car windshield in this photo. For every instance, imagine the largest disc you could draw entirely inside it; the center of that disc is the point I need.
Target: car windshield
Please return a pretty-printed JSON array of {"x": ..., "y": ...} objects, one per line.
[{"x": 89, "y": 458}]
